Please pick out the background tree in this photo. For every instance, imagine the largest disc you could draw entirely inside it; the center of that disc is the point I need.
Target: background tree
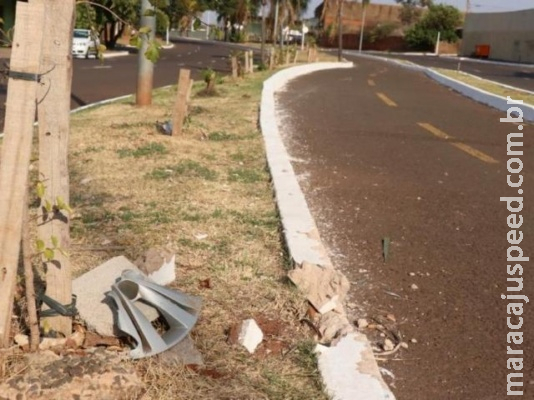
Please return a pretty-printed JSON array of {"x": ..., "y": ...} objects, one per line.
[
  {"x": 412, "y": 10},
  {"x": 439, "y": 18}
]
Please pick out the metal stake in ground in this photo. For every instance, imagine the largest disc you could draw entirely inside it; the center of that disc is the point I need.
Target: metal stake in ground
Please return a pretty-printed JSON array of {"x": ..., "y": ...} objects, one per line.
[
  {"x": 180, "y": 108},
  {"x": 16, "y": 149},
  {"x": 54, "y": 126}
]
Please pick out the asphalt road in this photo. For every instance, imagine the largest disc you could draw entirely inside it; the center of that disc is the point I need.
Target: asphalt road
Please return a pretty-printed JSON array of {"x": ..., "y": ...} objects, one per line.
[
  {"x": 94, "y": 80},
  {"x": 520, "y": 76},
  {"x": 384, "y": 153}
]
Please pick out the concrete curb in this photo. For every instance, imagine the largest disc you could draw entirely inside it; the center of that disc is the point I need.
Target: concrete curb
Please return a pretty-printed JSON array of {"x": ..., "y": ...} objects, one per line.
[
  {"x": 479, "y": 95},
  {"x": 348, "y": 369}
]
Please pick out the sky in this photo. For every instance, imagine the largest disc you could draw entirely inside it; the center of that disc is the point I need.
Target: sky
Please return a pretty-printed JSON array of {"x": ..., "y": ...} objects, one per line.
[{"x": 476, "y": 5}]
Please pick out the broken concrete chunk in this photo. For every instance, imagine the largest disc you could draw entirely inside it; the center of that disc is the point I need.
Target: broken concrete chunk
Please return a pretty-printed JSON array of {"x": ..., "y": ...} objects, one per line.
[
  {"x": 250, "y": 335},
  {"x": 90, "y": 289},
  {"x": 333, "y": 326},
  {"x": 158, "y": 265},
  {"x": 184, "y": 353},
  {"x": 325, "y": 288}
]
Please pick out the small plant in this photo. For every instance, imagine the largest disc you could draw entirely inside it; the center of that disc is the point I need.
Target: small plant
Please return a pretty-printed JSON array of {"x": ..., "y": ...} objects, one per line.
[{"x": 209, "y": 76}]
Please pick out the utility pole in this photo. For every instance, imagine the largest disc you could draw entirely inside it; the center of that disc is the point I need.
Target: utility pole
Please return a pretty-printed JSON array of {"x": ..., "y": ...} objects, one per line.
[
  {"x": 340, "y": 30},
  {"x": 275, "y": 30},
  {"x": 364, "y": 12},
  {"x": 145, "y": 69},
  {"x": 263, "y": 30}
]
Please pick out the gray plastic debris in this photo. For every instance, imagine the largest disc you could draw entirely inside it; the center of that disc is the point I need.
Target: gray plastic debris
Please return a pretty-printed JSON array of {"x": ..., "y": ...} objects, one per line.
[
  {"x": 179, "y": 311},
  {"x": 164, "y": 128}
]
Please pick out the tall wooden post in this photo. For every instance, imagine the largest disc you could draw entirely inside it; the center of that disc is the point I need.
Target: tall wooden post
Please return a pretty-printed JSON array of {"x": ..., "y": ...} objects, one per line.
[
  {"x": 54, "y": 129},
  {"x": 180, "y": 108},
  {"x": 16, "y": 149}
]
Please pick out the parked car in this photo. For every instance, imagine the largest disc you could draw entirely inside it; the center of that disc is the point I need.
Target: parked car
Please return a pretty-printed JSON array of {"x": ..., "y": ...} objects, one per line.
[{"x": 84, "y": 43}]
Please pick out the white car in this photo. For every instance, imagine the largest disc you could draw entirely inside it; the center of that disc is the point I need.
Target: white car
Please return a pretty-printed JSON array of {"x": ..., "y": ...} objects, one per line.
[{"x": 84, "y": 43}]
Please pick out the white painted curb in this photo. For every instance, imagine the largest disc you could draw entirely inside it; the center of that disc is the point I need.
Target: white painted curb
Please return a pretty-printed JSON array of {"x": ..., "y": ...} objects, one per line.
[
  {"x": 348, "y": 369},
  {"x": 498, "y": 102},
  {"x": 482, "y": 96}
]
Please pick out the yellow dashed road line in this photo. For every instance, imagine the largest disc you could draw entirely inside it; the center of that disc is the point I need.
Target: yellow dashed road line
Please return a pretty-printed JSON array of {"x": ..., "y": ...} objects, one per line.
[
  {"x": 386, "y": 100},
  {"x": 462, "y": 146}
]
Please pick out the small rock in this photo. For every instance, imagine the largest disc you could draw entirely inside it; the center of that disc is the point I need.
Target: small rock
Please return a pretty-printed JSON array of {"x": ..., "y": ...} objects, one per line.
[
  {"x": 414, "y": 286},
  {"x": 250, "y": 335},
  {"x": 362, "y": 323},
  {"x": 391, "y": 317},
  {"x": 351, "y": 306},
  {"x": 413, "y": 340},
  {"x": 404, "y": 345},
  {"x": 201, "y": 236},
  {"x": 388, "y": 345},
  {"x": 412, "y": 274},
  {"x": 85, "y": 181}
]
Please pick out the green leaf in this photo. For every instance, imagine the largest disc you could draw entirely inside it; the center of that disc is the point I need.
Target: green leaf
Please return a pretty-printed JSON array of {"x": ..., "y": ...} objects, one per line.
[
  {"x": 49, "y": 254},
  {"x": 145, "y": 30},
  {"x": 40, "y": 245},
  {"x": 135, "y": 41},
  {"x": 41, "y": 189},
  {"x": 60, "y": 203},
  {"x": 48, "y": 206},
  {"x": 152, "y": 52},
  {"x": 150, "y": 13},
  {"x": 55, "y": 241}
]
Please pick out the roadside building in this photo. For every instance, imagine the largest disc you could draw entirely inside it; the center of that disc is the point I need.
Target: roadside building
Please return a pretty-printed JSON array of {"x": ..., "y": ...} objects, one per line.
[{"x": 505, "y": 36}]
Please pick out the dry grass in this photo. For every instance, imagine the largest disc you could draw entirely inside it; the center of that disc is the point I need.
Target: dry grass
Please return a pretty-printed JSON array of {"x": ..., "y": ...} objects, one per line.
[
  {"x": 487, "y": 85},
  {"x": 133, "y": 188}
]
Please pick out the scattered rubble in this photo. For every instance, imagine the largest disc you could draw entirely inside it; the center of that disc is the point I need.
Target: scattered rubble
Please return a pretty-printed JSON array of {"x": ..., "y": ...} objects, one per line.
[
  {"x": 325, "y": 288},
  {"x": 88, "y": 375},
  {"x": 247, "y": 333},
  {"x": 158, "y": 265}
]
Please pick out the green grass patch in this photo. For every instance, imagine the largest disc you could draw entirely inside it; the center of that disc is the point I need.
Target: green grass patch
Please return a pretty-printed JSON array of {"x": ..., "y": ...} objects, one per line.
[{"x": 147, "y": 150}]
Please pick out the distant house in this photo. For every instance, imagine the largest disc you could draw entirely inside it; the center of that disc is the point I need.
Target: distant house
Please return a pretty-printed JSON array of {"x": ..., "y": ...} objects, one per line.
[
  {"x": 509, "y": 35},
  {"x": 351, "y": 16}
]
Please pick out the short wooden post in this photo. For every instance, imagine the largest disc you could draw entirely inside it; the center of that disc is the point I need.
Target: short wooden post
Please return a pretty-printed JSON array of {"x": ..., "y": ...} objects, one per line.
[
  {"x": 188, "y": 96},
  {"x": 54, "y": 129},
  {"x": 296, "y": 56},
  {"x": 288, "y": 54},
  {"x": 251, "y": 60},
  {"x": 247, "y": 65},
  {"x": 235, "y": 72},
  {"x": 16, "y": 150},
  {"x": 271, "y": 59},
  {"x": 309, "y": 54},
  {"x": 180, "y": 108}
]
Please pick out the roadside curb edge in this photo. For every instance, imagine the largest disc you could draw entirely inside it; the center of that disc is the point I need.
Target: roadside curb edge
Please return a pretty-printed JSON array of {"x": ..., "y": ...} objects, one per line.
[
  {"x": 348, "y": 369},
  {"x": 481, "y": 96}
]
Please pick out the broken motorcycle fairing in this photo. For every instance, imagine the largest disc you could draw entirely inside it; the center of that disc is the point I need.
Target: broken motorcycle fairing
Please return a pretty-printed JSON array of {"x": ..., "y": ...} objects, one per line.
[{"x": 180, "y": 312}]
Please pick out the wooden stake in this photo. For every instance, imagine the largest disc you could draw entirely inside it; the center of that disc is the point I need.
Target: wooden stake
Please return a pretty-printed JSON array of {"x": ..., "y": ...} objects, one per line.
[
  {"x": 33, "y": 321},
  {"x": 16, "y": 150},
  {"x": 188, "y": 96},
  {"x": 309, "y": 55},
  {"x": 247, "y": 65},
  {"x": 271, "y": 59},
  {"x": 180, "y": 108},
  {"x": 296, "y": 56},
  {"x": 54, "y": 129},
  {"x": 251, "y": 60},
  {"x": 235, "y": 72}
]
